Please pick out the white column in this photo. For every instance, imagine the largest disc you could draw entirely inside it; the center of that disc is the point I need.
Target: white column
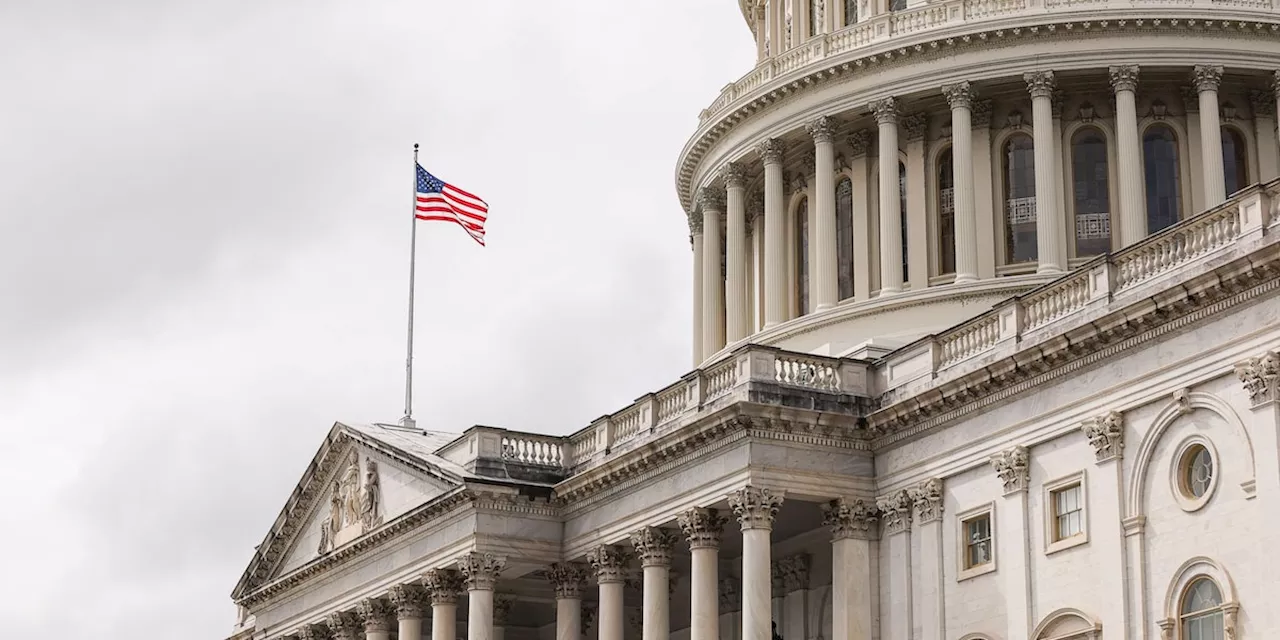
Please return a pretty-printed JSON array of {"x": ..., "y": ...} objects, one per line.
[
  {"x": 653, "y": 547},
  {"x": 409, "y": 601},
  {"x": 568, "y": 580},
  {"x": 480, "y": 571},
  {"x": 376, "y": 614},
  {"x": 1195, "y": 161},
  {"x": 1106, "y": 434},
  {"x": 695, "y": 238},
  {"x": 960, "y": 97},
  {"x": 853, "y": 527},
  {"x": 895, "y": 603},
  {"x": 735, "y": 290},
  {"x": 443, "y": 585},
  {"x": 1132, "y": 218},
  {"x": 1206, "y": 78},
  {"x": 711, "y": 202},
  {"x": 1263, "y": 103},
  {"x": 1050, "y": 222},
  {"x": 775, "y": 234},
  {"x": 756, "y": 508},
  {"x": 886, "y": 112},
  {"x": 610, "y": 563},
  {"x": 914, "y": 128},
  {"x": 703, "y": 528},
  {"x": 927, "y": 502},
  {"x": 859, "y": 143},
  {"x": 1013, "y": 468},
  {"x": 824, "y": 284},
  {"x": 984, "y": 196}
]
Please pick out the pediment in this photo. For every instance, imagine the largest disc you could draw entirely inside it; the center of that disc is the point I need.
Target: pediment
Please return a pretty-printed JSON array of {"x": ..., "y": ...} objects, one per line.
[{"x": 363, "y": 477}]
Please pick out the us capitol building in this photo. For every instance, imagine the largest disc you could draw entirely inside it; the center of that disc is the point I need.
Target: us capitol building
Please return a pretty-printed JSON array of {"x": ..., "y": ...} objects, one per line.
[{"x": 985, "y": 333}]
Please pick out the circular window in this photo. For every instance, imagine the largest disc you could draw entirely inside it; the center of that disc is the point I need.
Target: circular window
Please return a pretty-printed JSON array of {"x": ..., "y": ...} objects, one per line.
[{"x": 1195, "y": 473}]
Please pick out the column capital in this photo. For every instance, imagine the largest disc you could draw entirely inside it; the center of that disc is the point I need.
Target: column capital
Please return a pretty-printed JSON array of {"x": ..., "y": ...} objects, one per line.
[
  {"x": 823, "y": 129},
  {"x": 895, "y": 511},
  {"x": 959, "y": 95},
  {"x": 409, "y": 601},
  {"x": 915, "y": 126},
  {"x": 695, "y": 222},
  {"x": 771, "y": 150},
  {"x": 885, "y": 110},
  {"x": 755, "y": 507},
  {"x": 1106, "y": 434},
  {"x": 792, "y": 572},
  {"x": 345, "y": 625},
  {"x": 710, "y": 199},
  {"x": 653, "y": 546},
  {"x": 610, "y": 563},
  {"x": 734, "y": 175},
  {"x": 1013, "y": 467},
  {"x": 859, "y": 142},
  {"x": 981, "y": 114},
  {"x": 376, "y": 614},
  {"x": 1206, "y": 77},
  {"x": 702, "y": 527},
  {"x": 927, "y": 499},
  {"x": 1040, "y": 83},
  {"x": 1190, "y": 100},
  {"x": 568, "y": 579},
  {"x": 502, "y": 608},
  {"x": 443, "y": 585},
  {"x": 480, "y": 570},
  {"x": 315, "y": 632},
  {"x": 1263, "y": 103},
  {"x": 850, "y": 519},
  {"x": 1124, "y": 77},
  {"x": 1261, "y": 378}
]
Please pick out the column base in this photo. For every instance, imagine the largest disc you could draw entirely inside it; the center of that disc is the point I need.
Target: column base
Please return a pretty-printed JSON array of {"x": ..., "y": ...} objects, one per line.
[
  {"x": 824, "y": 307},
  {"x": 1048, "y": 269},
  {"x": 964, "y": 278},
  {"x": 888, "y": 292}
]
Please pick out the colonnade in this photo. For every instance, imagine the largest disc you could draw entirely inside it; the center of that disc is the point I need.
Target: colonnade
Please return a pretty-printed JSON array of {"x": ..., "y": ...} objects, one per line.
[{"x": 726, "y": 302}]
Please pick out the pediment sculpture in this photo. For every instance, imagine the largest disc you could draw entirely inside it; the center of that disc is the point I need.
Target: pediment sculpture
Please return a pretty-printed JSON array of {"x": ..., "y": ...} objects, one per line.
[{"x": 354, "y": 508}]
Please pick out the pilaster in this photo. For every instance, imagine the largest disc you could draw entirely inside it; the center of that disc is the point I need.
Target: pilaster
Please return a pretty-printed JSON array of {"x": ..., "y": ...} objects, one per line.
[
  {"x": 984, "y": 200},
  {"x": 914, "y": 128},
  {"x": 1013, "y": 468},
  {"x": 1106, "y": 489},
  {"x": 896, "y": 599},
  {"x": 926, "y": 498},
  {"x": 853, "y": 527}
]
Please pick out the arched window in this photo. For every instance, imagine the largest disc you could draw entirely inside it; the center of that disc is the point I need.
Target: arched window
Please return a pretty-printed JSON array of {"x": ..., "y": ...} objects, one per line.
[
  {"x": 850, "y": 12},
  {"x": 815, "y": 17},
  {"x": 1201, "y": 611},
  {"x": 1160, "y": 169},
  {"x": 1020, "y": 199},
  {"x": 802, "y": 255},
  {"x": 946, "y": 214},
  {"x": 844, "y": 237},
  {"x": 1092, "y": 195},
  {"x": 1235, "y": 165},
  {"x": 902, "y": 209}
]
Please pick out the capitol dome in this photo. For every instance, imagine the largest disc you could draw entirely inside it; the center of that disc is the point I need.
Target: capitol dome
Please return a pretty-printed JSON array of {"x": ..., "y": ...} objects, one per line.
[{"x": 1030, "y": 136}]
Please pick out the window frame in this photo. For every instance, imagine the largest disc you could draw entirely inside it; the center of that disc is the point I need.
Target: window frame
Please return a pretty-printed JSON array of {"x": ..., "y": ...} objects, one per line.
[
  {"x": 1182, "y": 457},
  {"x": 1219, "y": 610},
  {"x": 1069, "y": 167},
  {"x": 964, "y": 572},
  {"x": 1000, "y": 170},
  {"x": 1181, "y": 161},
  {"x": 937, "y": 267},
  {"x": 1054, "y": 544}
]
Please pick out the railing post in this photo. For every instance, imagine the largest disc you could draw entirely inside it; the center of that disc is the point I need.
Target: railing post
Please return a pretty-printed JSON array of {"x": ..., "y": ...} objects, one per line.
[
  {"x": 1255, "y": 209},
  {"x": 650, "y": 411},
  {"x": 1010, "y": 314},
  {"x": 853, "y": 378},
  {"x": 1101, "y": 282},
  {"x": 763, "y": 365},
  {"x": 604, "y": 435}
]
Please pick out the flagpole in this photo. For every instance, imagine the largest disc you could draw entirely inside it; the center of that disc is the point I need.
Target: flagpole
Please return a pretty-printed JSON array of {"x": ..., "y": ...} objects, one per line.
[{"x": 407, "y": 420}]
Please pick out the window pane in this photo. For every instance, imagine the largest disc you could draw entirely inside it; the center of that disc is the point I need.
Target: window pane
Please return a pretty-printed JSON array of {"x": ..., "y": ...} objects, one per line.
[
  {"x": 1092, "y": 196},
  {"x": 897, "y": 5},
  {"x": 1069, "y": 512},
  {"x": 1160, "y": 166},
  {"x": 844, "y": 237},
  {"x": 946, "y": 214},
  {"x": 850, "y": 12},
  {"x": 802, "y": 254},
  {"x": 1203, "y": 594},
  {"x": 977, "y": 541},
  {"x": 1235, "y": 166},
  {"x": 1199, "y": 472},
  {"x": 1020, "y": 199}
]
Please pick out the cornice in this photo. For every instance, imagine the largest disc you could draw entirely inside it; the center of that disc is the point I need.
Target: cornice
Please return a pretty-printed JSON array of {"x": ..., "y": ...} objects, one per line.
[{"x": 1025, "y": 27}]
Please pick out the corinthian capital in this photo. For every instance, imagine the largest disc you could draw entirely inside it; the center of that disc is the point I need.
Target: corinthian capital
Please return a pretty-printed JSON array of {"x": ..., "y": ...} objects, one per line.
[
  {"x": 927, "y": 499},
  {"x": 610, "y": 563},
  {"x": 702, "y": 527},
  {"x": 480, "y": 570},
  {"x": 823, "y": 129},
  {"x": 443, "y": 585},
  {"x": 345, "y": 625},
  {"x": 695, "y": 222},
  {"x": 376, "y": 614},
  {"x": 1040, "y": 83},
  {"x": 886, "y": 110},
  {"x": 1014, "y": 468},
  {"x": 895, "y": 511},
  {"x": 734, "y": 175},
  {"x": 850, "y": 519},
  {"x": 1261, "y": 378},
  {"x": 1206, "y": 77},
  {"x": 755, "y": 507},
  {"x": 1106, "y": 434},
  {"x": 771, "y": 150},
  {"x": 315, "y": 632},
  {"x": 1124, "y": 77},
  {"x": 1263, "y": 102},
  {"x": 981, "y": 114},
  {"x": 959, "y": 95},
  {"x": 410, "y": 600},
  {"x": 567, "y": 578},
  {"x": 859, "y": 142},
  {"x": 915, "y": 126},
  {"x": 653, "y": 546},
  {"x": 711, "y": 199}
]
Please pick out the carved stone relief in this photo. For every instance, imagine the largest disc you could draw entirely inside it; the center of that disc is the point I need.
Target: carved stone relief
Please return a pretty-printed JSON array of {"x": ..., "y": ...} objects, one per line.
[{"x": 353, "y": 508}]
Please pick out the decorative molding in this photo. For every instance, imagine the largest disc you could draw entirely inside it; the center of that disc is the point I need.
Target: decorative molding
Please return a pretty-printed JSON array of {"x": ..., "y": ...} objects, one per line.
[
  {"x": 1182, "y": 399},
  {"x": 1040, "y": 84},
  {"x": 793, "y": 571},
  {"x": 567, "y": 578},
  {"x": 1106, "y": 434},
  {"x": 710, "y": 199},
  {"x": 480, "y": 570},
  {"x": 702, "y": 527},
  {"x": 1124, "y": 77},
  {"x": 859, "y": 142},
  {"x": 589, "y": 610},
  {"x": 1261, "y": 378},
  {"x": 808, "y": 164},
  {"x": 1206, "y": 77},
  {"x": 653, "y": 546},
  {"x": 959, "y": 95},
  {"x": 771, "y": 150},
  {"x": 755, "y": 507},
  {"x": 443, "y": 585},
  {"x": 981, "y": 114},
  {"x": 885, "y": 110},
  {"x": 315, "y": 632},
  {"x": 610, "y": 563},
  {"x": 927, "y": 500},
  {"x": 734, "y": 175},
  {"x": 1056, "y": 102},
  {"x": 1014, "y": 468},
  {"x": 895, "y": 512},
  {"x": 376, "y": 614},
  {"x": 850, "y": 519},
  {"x": 823, "y": 129},
  {"x": 345, "y": 625},
  {"x": 1190, "y": 100},
  {"x": 915, "y": 126}
]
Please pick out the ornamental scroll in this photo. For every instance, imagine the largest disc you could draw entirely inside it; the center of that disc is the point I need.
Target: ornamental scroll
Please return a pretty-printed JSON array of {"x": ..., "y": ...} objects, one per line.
[{"x": 354, "y": 508}]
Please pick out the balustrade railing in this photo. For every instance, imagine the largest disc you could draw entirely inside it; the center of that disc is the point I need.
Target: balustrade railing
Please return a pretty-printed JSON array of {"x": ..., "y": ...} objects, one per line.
[
  {"x": 1176, "y": 245},
  {"x": 1048, "y": 304},
  {"x": 969, "y": 339},
  {"x": 533, "y": 450}
]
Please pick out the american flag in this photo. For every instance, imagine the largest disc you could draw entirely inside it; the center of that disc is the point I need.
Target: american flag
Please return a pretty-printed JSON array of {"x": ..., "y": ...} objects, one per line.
[{"x": 439, "y": 200}]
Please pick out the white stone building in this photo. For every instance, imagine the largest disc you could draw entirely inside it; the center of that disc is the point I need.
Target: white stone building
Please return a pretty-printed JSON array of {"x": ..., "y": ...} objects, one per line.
[{"x": 1034, "y": 396}]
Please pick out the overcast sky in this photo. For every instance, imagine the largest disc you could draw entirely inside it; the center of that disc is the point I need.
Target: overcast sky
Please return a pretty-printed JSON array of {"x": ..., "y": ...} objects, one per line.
[{"x": 203, "y": 259}]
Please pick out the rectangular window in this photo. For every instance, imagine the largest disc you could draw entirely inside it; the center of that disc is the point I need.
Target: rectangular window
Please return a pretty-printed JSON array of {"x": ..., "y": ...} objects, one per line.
[
  {"x": 976, "y": 538},
  {"x": 1066, "y": 522},
  {"x": 1069, "y": 513}
]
